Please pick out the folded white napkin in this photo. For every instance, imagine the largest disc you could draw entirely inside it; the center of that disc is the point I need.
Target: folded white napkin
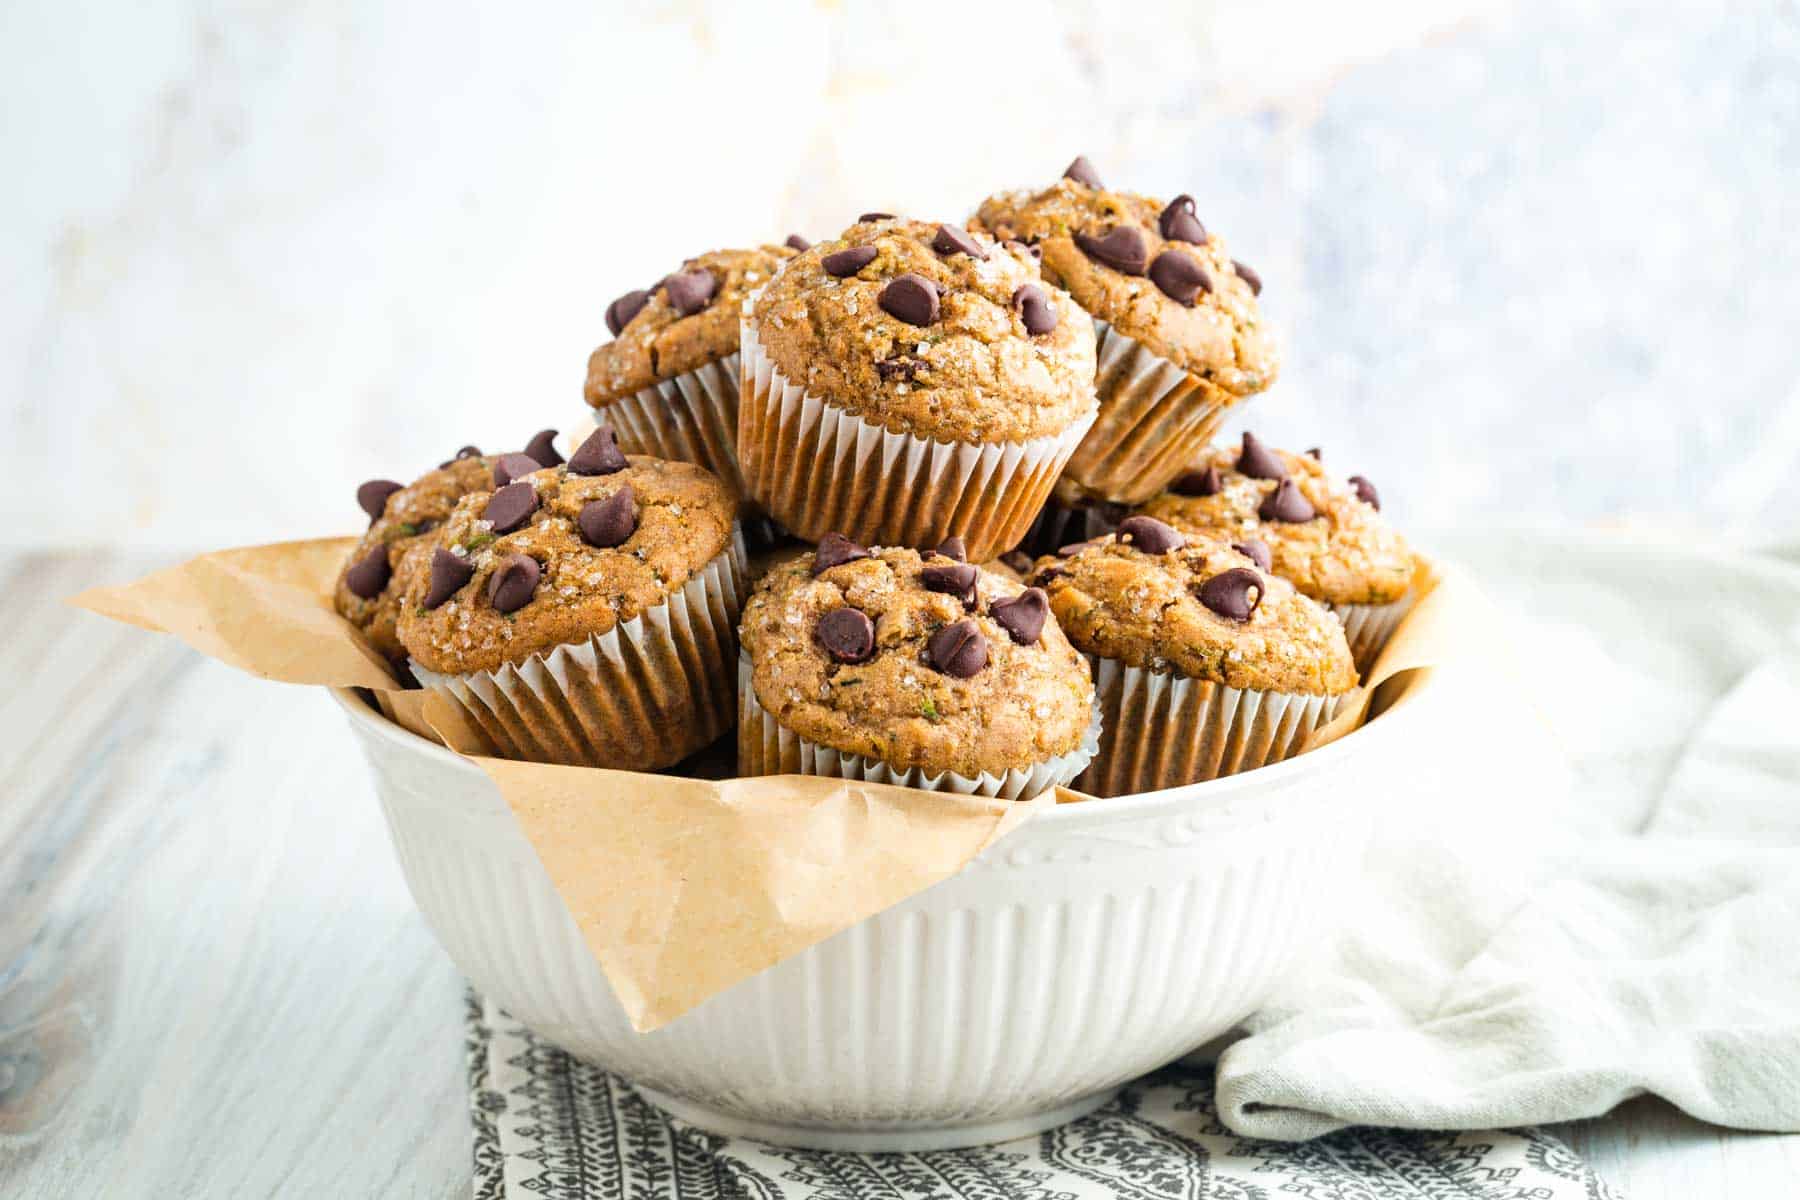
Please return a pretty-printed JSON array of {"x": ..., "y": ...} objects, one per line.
[{"x": 1550, "y": 931}]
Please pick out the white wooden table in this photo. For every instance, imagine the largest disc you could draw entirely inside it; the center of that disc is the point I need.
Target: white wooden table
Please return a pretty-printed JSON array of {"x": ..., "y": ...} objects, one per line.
[{"x": 213, "y": 982}]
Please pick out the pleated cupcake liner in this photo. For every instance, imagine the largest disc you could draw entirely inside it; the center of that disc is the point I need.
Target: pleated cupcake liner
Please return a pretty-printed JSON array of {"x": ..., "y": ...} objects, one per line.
[
  {"x": 641, "y": 696},
  {"x": 690, "y": 418},
  {"x": 1162, "y": 731},
  {"x": 766, "y": 747},
  {"x": 819, "y": 469},
  {"x": 1367, "y": 627},
  {"x": 1154, "y": 420}
]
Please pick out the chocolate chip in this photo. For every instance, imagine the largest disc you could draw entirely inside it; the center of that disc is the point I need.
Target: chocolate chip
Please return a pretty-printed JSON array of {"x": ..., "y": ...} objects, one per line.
[
  {"x": 911, "y": 298},
  {"x": 951, "y": 240},
  {"x": 904, "y": 369},
  {"x": 1179, "y": 224},
  {"x": 1074, "y": 548},
  {"x": 512, "y": 583},
  {"x": 1287, "y": 503},
  {"x": 1248, "y": 274},
  {"x": 957, "y": 580},
  {"x": 1023, "y": 616},
  {"x": 372, "y": 497},
  {"x": 369, "y": 577},
  {"x": 448, "y": 573},
  {"x": 847, "y": 635},
  {"x": 599, "y": 455},
  {"x": 609, "y": 522},
  {"x": 834, "y": 551},
  {"x": 1233, "y": 594},
  {"x": 954, "y": 547},
  {"x": 511, "y": 506},
  {"x": 1018, "y": 560},
  {"x": 958, "y": 649},
  {"x": 1082, "y": 171},
  {"x": 465, "y": 452},
  {"x": 509, "y": 467},
  {"x": 1198, "y": 483},
  {"x": 1365, "y": 491},
  {"x": 1179, "y": 277},
  {"x": 1123, "y": 248},
  {"x": 1258, "y": 461},
  {"x": 1035, "y": 310},
  {"x": 841, "y": 264},
  {"x": 1257, "y": 552},
  {"x": 691, "y": 291},
  {"x": 875, "y": 216},
  {"x": 620, "y": 311},
  {"x": 1150, "y": 535},
  {"x": 796, "y": 242},
  {"x": 1315, "y": 453},
  {"x": 542, "y": 447}
]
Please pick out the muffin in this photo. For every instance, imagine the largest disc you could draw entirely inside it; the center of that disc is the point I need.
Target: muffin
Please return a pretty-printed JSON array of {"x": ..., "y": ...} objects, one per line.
[
  {"x": 1181, "y": 339},
  {"x": 1325, "y": 537},
  {"x": 668, "y": 381},
  {"x": 1204, "y": 665},
  {"x": 585, "y": 614},
  {"x": 377, "y": 573},
  {"x": 918, "y": 669},
  {"x": 907, "y": 382}
]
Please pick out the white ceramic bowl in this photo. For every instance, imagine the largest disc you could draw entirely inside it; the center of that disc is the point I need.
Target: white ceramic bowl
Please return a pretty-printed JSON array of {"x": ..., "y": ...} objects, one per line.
[{"x": 1096, "y": 943}]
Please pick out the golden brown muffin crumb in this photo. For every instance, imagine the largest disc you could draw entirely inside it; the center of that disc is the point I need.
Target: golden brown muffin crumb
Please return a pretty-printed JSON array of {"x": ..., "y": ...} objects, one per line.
[
  {"x": 1346, "y": 554},
  {"x": 660, "y": 342},
  {"x": 1116, "y": 601},
  {"x": 1024, "y": 705},
  {"x": 1219, "y": 337},
  {"x": 973, "y": 372},
  {"x": 683, "y": 519}
]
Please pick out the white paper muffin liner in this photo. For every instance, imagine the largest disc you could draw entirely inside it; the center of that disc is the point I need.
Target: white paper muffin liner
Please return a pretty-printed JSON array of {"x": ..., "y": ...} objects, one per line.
[
  {"x": 1367, "y": 627},
  {"x": 1161, "y": 730},
  {"x": 643, "y": 695},
  {"x": 1154, "y": 419},
  {"x": 820, "y": 469},
  {"x": 690, "y": 418},
  {"x": 766, "y": 747}
]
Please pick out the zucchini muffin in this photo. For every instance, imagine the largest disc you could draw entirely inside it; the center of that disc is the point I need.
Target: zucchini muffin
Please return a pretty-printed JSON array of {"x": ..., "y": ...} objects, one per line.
[
  {"x": 668, "y": 381},
  {"x": 585, "y": 614},
  {"x": 1181, "y": 337},
  {"x": 1204, "y": 664},
  {"x": 378, "y": 571},
  {"x": 1325, "y": 537},
  {"x": 918, "y": 669},
  {"x": 906, "y": 382}
]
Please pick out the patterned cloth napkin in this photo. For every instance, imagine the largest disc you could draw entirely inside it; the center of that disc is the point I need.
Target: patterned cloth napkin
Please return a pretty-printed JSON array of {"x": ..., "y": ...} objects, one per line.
[{"x": 549, "y": 1126}]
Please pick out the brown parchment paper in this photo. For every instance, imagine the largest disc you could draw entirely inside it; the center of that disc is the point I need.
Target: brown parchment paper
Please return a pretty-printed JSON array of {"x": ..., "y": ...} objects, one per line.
[{"x": 681, "y": 886}]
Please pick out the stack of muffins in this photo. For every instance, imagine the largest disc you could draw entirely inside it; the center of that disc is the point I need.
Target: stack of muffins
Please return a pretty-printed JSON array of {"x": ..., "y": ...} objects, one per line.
[{"x": 1003, "y": 552}]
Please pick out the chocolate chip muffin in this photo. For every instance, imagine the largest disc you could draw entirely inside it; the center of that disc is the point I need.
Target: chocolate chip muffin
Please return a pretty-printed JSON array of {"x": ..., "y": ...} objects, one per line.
[
  {"x": 585, "y": 614},
  {"x": 1181, "y": 338},
  {"x": 919, "y": 669},
  {"x": 1325, "y": 537},
  {"x": 668, "y": 381},
  {"x": 378, "y": 571},
  {"x": 1205, "y": 665},
  {"x": 906, "y": 382}
]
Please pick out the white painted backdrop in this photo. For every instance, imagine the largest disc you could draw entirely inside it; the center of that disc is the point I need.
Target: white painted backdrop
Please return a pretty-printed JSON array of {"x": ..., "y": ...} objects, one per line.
[{"x": 1528, "y": 263}]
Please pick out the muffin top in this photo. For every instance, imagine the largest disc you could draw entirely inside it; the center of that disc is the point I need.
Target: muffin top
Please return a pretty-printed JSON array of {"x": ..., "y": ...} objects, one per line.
[
  {"x": 932, "y": 331},
  {"x": 377, "y": 572},
  {"x": 1154, "y": 598},
  {"x": 560, "y": 555},
  {"x": 1150, "y": 269},
  {"x": 682, "y": 321},
  {"x": 1326, "y": 538},
  {"x": 916, "y": 660}
]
